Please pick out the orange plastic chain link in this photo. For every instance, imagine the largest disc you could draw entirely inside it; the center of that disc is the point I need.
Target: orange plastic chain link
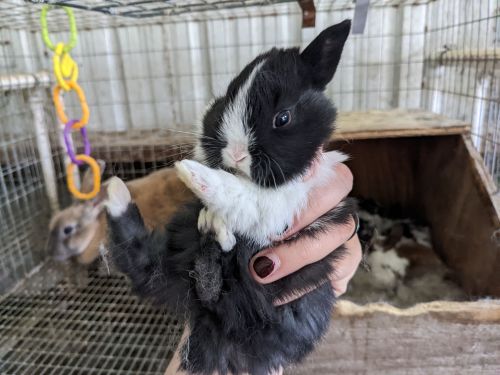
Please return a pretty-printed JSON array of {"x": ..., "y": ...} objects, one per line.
[
  {"x": 96, "y": 175},
  {"x": 83, "y": 104}
]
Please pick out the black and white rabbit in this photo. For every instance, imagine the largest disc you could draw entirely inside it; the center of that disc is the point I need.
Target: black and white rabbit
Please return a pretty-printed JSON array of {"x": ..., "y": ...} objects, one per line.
[{"x": 259, "y": 141}]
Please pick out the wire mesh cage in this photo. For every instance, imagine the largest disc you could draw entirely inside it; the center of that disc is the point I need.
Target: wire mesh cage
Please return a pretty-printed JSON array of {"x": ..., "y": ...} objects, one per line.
[
  {"x": 149, "y": 68},
  {"x": 97, "y": 329}
]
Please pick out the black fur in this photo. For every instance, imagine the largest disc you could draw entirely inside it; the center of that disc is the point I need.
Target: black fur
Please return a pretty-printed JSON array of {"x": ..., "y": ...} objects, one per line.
[{"x": 235, "y": 324}]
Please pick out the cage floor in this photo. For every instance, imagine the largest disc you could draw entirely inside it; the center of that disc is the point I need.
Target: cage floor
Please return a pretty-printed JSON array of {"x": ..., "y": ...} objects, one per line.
[{"x": 96, "y": 329}]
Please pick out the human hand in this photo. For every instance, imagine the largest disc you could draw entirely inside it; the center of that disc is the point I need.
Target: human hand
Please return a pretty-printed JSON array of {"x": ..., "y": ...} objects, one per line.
[{"x": 274, "y": 263}]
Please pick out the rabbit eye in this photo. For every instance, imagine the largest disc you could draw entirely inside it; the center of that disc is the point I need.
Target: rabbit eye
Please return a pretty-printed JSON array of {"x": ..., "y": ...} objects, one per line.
[
  {"x": 67, "y": 230},
  {"x": 282, "y": 118}
]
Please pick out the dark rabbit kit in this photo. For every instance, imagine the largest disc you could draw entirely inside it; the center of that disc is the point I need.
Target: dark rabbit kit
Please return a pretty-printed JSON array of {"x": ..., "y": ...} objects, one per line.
[{"x": 263, "y": 134}]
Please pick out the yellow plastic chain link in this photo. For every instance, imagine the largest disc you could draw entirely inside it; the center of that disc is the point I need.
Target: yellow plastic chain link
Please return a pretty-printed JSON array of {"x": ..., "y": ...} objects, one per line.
[
  {"x": 65, "y": 68},
  {"x": 66, "y": 72}
]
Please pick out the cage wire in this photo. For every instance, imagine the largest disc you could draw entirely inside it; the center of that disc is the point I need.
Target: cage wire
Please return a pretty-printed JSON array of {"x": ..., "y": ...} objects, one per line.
[
  {"x": 148, "y": 69},
  {"x": 96, "y": 329}
]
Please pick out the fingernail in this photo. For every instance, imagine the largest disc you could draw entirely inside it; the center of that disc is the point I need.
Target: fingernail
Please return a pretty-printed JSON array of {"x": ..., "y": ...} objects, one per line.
[{"x": 264, "y": 266}]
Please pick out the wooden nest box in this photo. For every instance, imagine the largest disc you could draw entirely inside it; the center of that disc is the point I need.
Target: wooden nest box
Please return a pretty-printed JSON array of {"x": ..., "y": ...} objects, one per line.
[{"x": 425, "y": 164}]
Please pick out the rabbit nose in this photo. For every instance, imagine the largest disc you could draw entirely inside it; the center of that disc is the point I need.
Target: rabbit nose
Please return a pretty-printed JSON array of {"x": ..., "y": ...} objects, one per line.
[{"x": 239, "y": 156}]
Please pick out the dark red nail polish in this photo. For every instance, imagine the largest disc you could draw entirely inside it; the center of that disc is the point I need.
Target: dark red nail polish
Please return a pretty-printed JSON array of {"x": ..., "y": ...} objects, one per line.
[{"x": 263, "y": 266}]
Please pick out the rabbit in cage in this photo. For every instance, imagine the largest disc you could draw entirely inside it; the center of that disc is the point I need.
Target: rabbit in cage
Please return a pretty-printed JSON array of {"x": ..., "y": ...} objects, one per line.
[
  {"x": 78, "y": 231},
  {"x": 259, "y": 142}
]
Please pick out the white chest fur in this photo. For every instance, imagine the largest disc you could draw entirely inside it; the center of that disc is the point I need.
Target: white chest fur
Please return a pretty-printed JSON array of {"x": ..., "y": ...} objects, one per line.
[{"x": 259, "y": 214}]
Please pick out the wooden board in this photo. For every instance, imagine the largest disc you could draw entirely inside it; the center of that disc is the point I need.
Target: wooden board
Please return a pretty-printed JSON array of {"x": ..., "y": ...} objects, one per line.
[
  {"x": 395, "y": 123},
  {"x": 432, "y": 338},
  {"x": 141, "y": 146},
  {"x": 457, "y": 202}
]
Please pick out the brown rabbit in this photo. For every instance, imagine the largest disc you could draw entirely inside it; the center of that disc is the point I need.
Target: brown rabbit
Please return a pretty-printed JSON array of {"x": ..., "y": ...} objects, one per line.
[{"x": 79, "y": 230}]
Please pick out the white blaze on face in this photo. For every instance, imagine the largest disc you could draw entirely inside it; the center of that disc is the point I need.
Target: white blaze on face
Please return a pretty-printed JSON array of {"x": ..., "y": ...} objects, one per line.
[{"x": 235, "y": 130}]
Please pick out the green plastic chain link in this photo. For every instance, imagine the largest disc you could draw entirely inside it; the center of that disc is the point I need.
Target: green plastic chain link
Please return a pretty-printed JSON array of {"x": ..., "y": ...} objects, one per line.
[{"x": 45, "y": 30}]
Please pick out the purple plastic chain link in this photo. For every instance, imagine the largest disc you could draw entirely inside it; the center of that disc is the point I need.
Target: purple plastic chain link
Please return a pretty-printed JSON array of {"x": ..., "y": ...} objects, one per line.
[{"x": 67, "y": 141}]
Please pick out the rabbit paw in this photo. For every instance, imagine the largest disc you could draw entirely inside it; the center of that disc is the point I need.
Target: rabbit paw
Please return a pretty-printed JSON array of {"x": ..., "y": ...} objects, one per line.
[
  {"x": 197, "y": 177},
  {"x": 118, "y": 197},
  {"x": 210, "y": 222}
]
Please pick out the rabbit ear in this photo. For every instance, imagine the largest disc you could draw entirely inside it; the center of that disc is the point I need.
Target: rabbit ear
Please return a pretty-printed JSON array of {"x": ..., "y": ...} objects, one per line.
[
  {"x": 88, "y": 178},
  {"x": 322, "y": 55},
  {"x": 93, "y": 207}
]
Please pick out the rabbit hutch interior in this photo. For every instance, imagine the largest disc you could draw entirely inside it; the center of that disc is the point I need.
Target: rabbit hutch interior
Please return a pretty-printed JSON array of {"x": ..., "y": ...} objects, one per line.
[{"x": 417, "y": 92}]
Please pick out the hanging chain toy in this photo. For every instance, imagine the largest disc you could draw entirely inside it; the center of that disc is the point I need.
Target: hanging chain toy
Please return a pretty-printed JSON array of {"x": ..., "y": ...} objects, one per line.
[{"x": 66, "y": 73}]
